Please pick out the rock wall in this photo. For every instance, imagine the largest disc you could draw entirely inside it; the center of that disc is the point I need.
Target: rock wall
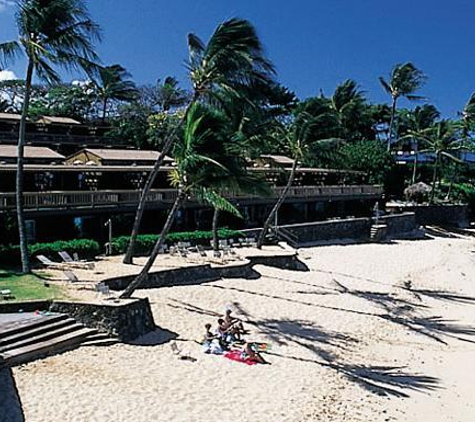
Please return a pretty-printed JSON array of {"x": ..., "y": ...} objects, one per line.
[
  {"x": 437, "y": 215},
  {"x": 126, "y": 321},
  {"x": 400, "y": 224},
  {"x": 354, "y": 228}
]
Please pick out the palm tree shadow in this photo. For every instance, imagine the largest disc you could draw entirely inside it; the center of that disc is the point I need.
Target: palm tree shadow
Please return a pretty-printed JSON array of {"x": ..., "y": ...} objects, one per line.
[
  {"x": 386, "y": 380},
  {"x": 10, "y": 403}
]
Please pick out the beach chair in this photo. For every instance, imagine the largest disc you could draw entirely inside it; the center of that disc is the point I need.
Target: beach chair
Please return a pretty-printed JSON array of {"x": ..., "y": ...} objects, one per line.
[
  {"x": 201, "y": 251},
  {"x": 48, "y": 263},
  {"x": 67, "y": 259},
  {"x": 102, "y": 289},
  {"x": 180, "y": 354},
  {"x": 76, "y": 257},
  {"x": 71, "y": 276},
  {"x": 6, "y": 294}
]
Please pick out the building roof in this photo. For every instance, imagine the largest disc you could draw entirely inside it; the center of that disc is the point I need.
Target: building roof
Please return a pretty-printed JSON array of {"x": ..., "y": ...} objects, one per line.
[
  {"x": 10, "y": 116},
  {"x": 10, "y": 151},
  {"x": 58, "y": 120},
  {"x": 125, "y": 154},
  {"x": 278, "y": 159}
]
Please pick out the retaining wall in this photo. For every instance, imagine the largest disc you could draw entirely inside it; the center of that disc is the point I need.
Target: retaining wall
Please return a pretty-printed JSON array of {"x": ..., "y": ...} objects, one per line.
[{"x": 124, "y": 321}]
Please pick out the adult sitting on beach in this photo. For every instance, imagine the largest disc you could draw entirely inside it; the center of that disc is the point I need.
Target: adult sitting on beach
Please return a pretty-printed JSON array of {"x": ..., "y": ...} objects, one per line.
[
  {"x": 235, "y": 323},
  {"x": 211, "y": 342},
  {"x": 249, "y": 353},
  {"x": 227, "y": 334}
]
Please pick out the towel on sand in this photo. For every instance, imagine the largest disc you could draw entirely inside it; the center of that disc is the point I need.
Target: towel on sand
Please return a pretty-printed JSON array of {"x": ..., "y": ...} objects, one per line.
[{"x": 235, "y": 355}]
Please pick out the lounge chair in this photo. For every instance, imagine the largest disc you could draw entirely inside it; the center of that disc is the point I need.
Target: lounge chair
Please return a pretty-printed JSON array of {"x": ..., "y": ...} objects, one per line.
[
  {"x": 78, "y": 264},
  {"x": 6, "y": 294},
  {"x": 63, "y": 265},
  {"x": 201, "y": 251},
  {"x": 102, "y": 289}
]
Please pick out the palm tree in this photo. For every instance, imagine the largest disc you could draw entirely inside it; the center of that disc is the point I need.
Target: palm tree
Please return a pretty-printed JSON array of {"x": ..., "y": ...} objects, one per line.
[
  {"x": 190, "y": 177},
  {"x": 51, "y": 33},
  {"x": 421, "y": 118},
  {"x": 232, "y": 60},
  {"x": 443, "y": 141},
  {"x": 297, "y": 138},
  {"x": 113, "y": 84},
  {"x": 404, "y": 80},
  {"x": 168, "y": 95}
]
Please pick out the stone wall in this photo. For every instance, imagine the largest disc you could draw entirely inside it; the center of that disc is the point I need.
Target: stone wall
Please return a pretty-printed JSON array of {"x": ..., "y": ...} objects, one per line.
[
  {"x": 354, "y": 228},
  {"x": 400, "y": 224},
  {"x": 125, "y": 320},
  {"x": 437, "y": 215},
  {"x": 199, "y": 274}
]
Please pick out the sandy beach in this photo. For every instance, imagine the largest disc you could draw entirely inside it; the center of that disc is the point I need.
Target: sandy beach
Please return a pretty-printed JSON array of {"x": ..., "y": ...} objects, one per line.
[{"x": 374, "y": 332}]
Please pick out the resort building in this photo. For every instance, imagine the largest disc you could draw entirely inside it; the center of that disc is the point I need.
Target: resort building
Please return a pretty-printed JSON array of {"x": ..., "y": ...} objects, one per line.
[{"x": 91, "y": 185}]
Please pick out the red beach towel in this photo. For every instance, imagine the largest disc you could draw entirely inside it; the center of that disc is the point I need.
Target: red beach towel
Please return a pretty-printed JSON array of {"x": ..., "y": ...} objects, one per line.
[{"x": 235, "y": 355}]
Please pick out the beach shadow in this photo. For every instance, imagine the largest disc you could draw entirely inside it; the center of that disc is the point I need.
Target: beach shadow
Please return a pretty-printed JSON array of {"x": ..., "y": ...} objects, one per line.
[
  {"x": 193, "y": 308},
  {"x": 443, "y": 295},
  {"x": 11, "y": 409},
  {"x": 387, "y": 380},
  {"x": 154, "y": 338}
]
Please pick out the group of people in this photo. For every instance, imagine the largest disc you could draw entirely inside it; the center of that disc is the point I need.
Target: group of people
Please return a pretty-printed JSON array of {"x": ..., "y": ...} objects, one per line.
[{"x": 228, "y": 335}]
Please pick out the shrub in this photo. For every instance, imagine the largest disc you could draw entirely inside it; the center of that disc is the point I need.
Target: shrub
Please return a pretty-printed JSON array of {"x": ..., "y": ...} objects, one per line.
[
  {"x": 85, "y": 248},
  {"x": 145, "y": 242},
  {"x": 418, "y": 193}
]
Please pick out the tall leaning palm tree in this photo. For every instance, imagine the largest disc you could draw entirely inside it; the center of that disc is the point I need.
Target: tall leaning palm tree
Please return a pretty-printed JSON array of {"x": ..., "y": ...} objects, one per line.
[
  {"x": 51, "y": 33},
  {"x": 232, "y": 60},
  {"x": 297, "y": 138},
  {"x": 112, "y": 84},
  {"x": 404, "y": 80},
  {"x": 190, "y": 176}
]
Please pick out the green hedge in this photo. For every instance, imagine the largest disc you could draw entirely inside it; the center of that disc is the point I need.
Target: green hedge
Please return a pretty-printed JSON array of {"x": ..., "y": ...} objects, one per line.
[
  {"x": 85, "y": 248},
  {"x": 145, "y": 242}
]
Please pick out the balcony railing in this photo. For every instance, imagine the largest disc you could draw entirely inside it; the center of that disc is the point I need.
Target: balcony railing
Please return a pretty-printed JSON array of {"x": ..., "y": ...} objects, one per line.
[{"x": 40, "y": 201}]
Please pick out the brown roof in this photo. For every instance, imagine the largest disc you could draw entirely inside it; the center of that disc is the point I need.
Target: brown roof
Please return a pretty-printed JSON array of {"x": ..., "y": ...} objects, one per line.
[
  {"x": 126, "y": 154},
  {"x": 10, "y": 151},
  {"x": 58, "y": 120},
  {"x": 10, "y": 116},
  {"x": 278, "y": 159}
]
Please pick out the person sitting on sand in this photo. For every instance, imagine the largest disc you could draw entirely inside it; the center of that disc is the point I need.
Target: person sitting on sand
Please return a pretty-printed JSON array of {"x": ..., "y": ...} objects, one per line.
[
  {"x": 234, "y": 322},
  {"x": 248, "y": 353},
  {"x": 225, "y": 333},
  {"x": 211, "y": 343}
]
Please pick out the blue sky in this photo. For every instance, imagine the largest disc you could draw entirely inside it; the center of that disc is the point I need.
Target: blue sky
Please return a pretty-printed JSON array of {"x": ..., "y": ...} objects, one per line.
[{"x": 315, "y": 44}]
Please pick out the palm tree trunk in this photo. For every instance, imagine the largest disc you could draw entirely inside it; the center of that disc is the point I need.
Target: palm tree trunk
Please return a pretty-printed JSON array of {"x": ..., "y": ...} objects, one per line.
[
  {"x": 414, "y": 170},
  {"x": 104, "y": 110},
  {"x": 129, "y": 255},
  {"x": 434, "y": 177},
  {"x": 391, "y": 123},
  {"x": 135, "y": 284},
  {"x": 25, "y": 257},
  {"x": 277, "y": 206},
  {"x": 215, "y": 230}
]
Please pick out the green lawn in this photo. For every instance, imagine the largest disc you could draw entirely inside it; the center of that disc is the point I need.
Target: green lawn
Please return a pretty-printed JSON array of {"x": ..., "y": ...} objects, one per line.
[{"x": 29, "y": 287}]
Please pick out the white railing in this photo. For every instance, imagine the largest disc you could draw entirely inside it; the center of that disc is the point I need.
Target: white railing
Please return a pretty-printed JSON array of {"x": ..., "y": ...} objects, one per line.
[{"x": 93, "y": 199}]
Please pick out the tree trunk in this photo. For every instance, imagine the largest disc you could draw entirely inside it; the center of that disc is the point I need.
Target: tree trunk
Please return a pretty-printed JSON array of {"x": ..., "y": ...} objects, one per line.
[
  {"x": 25, "y": 257},
  {"x": 215, "y": 230},
  {"x": 434, "y": 178},
  {"x": 414, "y": 170},
  {"x": 129, "y": 255},
  {"x": 391, "y": 123},
  {"x": 104, "y": 110},
  {"x": 135, "y": 284},
  {"x": 277, "y": 206}
]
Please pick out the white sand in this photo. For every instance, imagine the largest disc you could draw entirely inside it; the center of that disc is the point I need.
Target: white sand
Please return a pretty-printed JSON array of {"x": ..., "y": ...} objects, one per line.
[{"x": 333, "y": 347}]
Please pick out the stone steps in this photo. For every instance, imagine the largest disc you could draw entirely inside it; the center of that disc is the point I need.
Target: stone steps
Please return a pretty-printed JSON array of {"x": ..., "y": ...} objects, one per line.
[{"x": 36, "y": 337}]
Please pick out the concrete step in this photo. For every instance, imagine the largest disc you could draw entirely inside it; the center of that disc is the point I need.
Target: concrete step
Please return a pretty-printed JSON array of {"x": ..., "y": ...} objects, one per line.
[
  {"x": 51, "y": 334},
  {"x": 100, "y": 339},
  {"x": 16, "y": 327},
  {"x": 30, "y": 332},
  {"x": 54, "y": 345}
]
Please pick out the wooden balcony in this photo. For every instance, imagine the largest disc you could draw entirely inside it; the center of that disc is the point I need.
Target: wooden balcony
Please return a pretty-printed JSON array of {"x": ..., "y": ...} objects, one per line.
[{"x": 163, "y": 198}]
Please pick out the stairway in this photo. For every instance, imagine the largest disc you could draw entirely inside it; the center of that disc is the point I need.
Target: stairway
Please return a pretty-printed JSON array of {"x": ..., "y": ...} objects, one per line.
[
  {"x": 31, "y": 337},
  {"x": 286, "y": 235},
  {"x": 378, "y": 232}
]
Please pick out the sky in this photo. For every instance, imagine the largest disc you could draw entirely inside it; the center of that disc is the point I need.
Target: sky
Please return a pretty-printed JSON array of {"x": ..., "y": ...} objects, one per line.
[{"x": 314, "y": 44}]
